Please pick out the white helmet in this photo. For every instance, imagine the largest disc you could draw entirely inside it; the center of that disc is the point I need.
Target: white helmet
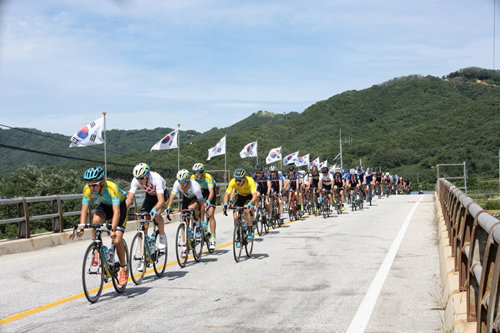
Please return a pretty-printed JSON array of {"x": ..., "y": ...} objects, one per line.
[
  {"x": 183, "y": 176},
  {"x": 141, "y": 170},
  {"x": 352, "y": 171},
  {"x": 198, "y": 168},
  {"x": 387, "y": 174}
]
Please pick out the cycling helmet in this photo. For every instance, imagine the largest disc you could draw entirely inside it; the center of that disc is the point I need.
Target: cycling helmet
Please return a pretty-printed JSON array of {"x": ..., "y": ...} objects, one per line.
[
  {"x": 272, "y": 168},
  {"x": 183, "y": 176},
  {"x": 352, "y": 171},
  {"x": 259, "y": 168},
  {"x": 314, "y": 169},
  {"x": 141, "y": 170},
  {"x": 369, "y": 170},
  {"x": 93, "y": 173},
  {"x": 240, "y": 173},
  {"x": 198, "y": 168},
  {"x": 337, "y": 170},
  {"x": 324, "y": 169},
  {"x": 291, "y": 168},
  {"x": 387, "y": 174}
]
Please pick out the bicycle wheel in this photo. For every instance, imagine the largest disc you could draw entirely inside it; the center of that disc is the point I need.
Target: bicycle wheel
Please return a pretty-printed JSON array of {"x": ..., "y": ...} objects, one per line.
[
  {"x": 249, "y": 244},
  {"x": 159, "y": 257},
  {"x": 180, "y": 245},
  {"x": 137, "y": 256},
  {"x": 237, "y": 239},
  {"x": 197, "y": 243},
  {"x": 326, "y": 209},
  {"x": 92, "y": 276},
  {"x": 115, "y": 268}
]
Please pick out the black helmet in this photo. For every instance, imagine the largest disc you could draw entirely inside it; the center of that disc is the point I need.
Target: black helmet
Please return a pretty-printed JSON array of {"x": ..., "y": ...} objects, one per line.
[
  {"x": 291, "y": 168},
  {"x": 324, "y": 169},
  {"x": 259, "y": 168}
]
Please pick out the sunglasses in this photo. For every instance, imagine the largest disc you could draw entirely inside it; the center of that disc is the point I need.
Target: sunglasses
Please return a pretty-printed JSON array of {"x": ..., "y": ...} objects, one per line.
[
  {"x": 240, "y": 180},
  {"x": 197, "y": 172},
  {"x": 94, "y": 184},
  {"x": 141, "y": 178}
]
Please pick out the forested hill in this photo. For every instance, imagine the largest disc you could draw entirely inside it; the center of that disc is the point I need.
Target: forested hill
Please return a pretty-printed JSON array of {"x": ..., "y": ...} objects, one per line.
[{"x": 405, "y": 125}]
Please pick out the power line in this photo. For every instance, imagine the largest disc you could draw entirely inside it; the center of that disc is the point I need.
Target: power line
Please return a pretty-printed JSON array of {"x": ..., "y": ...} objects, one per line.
[
  {"x": 54, "y": 138},
  {"x": 59, "y": 155}
]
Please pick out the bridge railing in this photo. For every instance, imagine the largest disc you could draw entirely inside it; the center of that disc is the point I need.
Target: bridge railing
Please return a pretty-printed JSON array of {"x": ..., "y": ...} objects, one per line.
[
  {"x": 57, "y": 214},
  {"x": 474, "y": 237}
]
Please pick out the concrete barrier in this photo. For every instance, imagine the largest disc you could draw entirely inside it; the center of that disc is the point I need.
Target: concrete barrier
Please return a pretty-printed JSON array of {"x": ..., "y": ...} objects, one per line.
[{"x": 49, "y": 239}]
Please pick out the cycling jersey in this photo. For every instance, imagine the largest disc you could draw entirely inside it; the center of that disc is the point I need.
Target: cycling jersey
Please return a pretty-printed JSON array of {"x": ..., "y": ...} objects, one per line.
[
  {"x": 360, "y": 176},
  {"x": 368, "y": 178},
  {"x": 352, "y": 181},
  {"x": 275, "y": 183},
  {"x": 155, "y": 184},
  {"x": 315, "y": 180},
  {"x": 194, "y": 190},
  {"x": 248, "y": 187},
  {"x": 261, "y": 182},
  {"x": 293, "y": 181},
  {"x": 112, "y": 194},
  {"x": 326, "y": 179},
  {"x": 378, "y": 177},
  {"x": 337, "y": 180},
  {"x": 206, "y": 182}
]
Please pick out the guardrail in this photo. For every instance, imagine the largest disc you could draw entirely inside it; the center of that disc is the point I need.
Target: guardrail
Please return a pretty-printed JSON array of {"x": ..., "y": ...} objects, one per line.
[
  {"x": 474, "y": 238},
  {"x": 57, "y": 214}
]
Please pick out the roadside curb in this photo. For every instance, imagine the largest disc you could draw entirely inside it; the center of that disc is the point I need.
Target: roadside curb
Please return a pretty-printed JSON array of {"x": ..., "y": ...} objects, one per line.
[
  {"x": 454, "y": 301},
  {"x": 49, "y": 239}
]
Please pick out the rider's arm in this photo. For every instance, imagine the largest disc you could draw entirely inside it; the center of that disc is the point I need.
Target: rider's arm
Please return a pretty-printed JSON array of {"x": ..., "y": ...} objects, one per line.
[
  {"x": 171, "y": 199},
  {"x": 130, "y": 197},
  {"x": 116, "y": 218},
  {"x": 161, "y": 201}
]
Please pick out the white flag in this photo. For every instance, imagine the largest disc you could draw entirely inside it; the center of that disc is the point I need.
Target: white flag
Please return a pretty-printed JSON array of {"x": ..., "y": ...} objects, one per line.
[
  {"x": 323, "y": 164},
  {"x": 168, "y": 142},
  {"x": 250, "y": 150},
  {"x": 314, "y": 163},
  {"x": 302, "y": 161},
  {"x": 89, "y": 135},
  {"x": 291, "y": 158},
  {"x": 219, "y": 149},
  {"x": 274, "y": 155}
]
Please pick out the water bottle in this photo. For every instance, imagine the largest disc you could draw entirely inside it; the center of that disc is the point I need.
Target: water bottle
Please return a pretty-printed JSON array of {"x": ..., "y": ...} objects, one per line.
[
  {"x": 244, "y": 225},
  {"x": 190, "y": 232},
  {"x": 152, "y": 241},
  {"x": 204, "y": 225}
]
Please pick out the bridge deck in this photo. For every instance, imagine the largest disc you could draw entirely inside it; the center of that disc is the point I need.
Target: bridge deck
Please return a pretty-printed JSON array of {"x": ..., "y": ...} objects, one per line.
[{"x": 310, "y": 275}]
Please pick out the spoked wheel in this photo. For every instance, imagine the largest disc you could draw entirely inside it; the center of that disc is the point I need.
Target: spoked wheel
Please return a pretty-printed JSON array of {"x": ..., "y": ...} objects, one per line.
[
  {"x": 197, "y": 243},
  {"x": 92, "y": 275},
  {"x": 116, "y": 268},
  {"x": 249, "y": 243},
  {"x": 137, "y": 258},
  {"x": 259, "y": 220},
  {"x": 181, "y": 245},
  {"x": 326, "y": 209},
  {"x": 159, "y": 257},
  {"x": 206, "y": 237},
  {"x": 237, "y": 241}
]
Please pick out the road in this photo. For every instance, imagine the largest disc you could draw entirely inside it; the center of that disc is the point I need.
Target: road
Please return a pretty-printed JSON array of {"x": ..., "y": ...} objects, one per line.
[{"x": 311, "y": 275}]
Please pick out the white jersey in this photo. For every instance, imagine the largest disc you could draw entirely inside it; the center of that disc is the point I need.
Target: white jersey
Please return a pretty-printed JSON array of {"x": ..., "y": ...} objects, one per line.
[
  {"x": 194, "y": 190},
  {"x": 326, "y": 179},
  {"x": 154, "y": 185}
]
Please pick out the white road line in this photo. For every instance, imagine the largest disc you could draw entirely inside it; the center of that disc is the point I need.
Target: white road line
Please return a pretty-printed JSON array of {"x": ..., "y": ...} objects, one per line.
[{"x": 362, "y": 316}]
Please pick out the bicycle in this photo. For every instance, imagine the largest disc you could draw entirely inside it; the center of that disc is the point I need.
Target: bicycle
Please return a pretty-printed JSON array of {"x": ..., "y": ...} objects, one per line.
[
  {"x": 275, "y": 221},
  {"x": 240, "y": 235},
  {"x": 108, "y": 266},
  {"x": 337, "y": 201},
  {"x": 292, "y": 208},
  {"x": 261, "y": 215},
  {"x": 325, "y": 204},
  {"x": 143, "y": 251},
  {"x": 185, "y": 239}
]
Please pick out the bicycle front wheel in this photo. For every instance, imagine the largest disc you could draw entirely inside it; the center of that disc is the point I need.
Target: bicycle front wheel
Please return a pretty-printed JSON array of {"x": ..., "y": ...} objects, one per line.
[
  {"x": 115, "y": 268},
  {"x": 249, "y": 244},
  {"x": 180, "y": 245},
  {"x": 197, "y": 244},
  {"x": 92, "y": 274},
  {"x": 237, "y": 240},
  {"x": 160, "y": 257},
  {"x": 137, "y": 258}
]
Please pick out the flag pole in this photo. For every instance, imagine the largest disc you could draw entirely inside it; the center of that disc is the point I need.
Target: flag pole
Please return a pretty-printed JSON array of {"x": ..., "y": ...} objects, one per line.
[
  {"x": 105, "y": 157},
  {"x": 178, "y": 147},
  {"x": 225, "y": 160},
  {"x": 341, "y": 161},
  {"x": 257, "y": 152}
]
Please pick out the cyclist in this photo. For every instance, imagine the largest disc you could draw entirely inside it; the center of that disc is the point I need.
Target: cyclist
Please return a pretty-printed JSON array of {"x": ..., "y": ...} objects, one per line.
[
  {"x": 192, "y": 198},
  {"x": 353, "y": 181},
  {"x": 261, "y": 179},
  {"x": 246, "y": 190},
  {"x": 156, "y": 193},
  {"x": 111, "y": 206},
  {"x": 275, "y": 187},
  {"x": 368, "y": 182},
  {"x": 378, "y": 180},
  {"x": 208, "y": 185},
  {"x": 325, "y": 185},
  {"x": 292, "y": 185},
  {"x": 313, "y": 184},
  {"x": 338, "y": 185}
]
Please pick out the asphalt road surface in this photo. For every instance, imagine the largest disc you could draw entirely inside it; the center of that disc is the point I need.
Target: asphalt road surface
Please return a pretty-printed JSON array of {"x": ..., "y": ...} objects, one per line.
[{"x": 374, "y": 270}]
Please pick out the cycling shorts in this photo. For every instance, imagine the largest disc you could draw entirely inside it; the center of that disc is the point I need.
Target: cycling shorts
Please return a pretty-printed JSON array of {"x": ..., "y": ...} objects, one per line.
[
  {"x": 107, "y": 210},
  {"x": 151, "y": 200},
  {"x": 187, "y": 201},
  {"x": 241, "y": 200},
  {"x": 206, "y": 193},
  {"x": 327, "y": 187}
]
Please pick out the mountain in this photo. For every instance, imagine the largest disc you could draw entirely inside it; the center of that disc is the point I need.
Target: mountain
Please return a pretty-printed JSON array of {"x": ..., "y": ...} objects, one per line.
[{"x": 405, "y": 125}]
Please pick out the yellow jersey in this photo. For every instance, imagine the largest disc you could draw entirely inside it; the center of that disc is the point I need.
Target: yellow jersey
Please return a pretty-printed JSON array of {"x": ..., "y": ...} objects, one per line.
[
  {"x": 112, "y": 194},
  {"x": 248, "y": 187}
]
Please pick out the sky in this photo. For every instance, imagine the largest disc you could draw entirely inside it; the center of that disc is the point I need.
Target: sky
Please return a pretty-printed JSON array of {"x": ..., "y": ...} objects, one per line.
[{"x": 205, "y": 64}]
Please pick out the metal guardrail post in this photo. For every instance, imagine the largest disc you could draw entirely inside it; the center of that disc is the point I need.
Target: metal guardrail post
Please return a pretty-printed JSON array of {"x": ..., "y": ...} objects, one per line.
[
  {"x": 24, "y": 226},
  {"x": 57, "y": 222}
]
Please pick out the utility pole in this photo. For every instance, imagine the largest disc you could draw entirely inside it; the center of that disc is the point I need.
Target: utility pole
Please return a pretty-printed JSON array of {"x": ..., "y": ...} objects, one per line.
[{"x": 341, "y": 161}]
